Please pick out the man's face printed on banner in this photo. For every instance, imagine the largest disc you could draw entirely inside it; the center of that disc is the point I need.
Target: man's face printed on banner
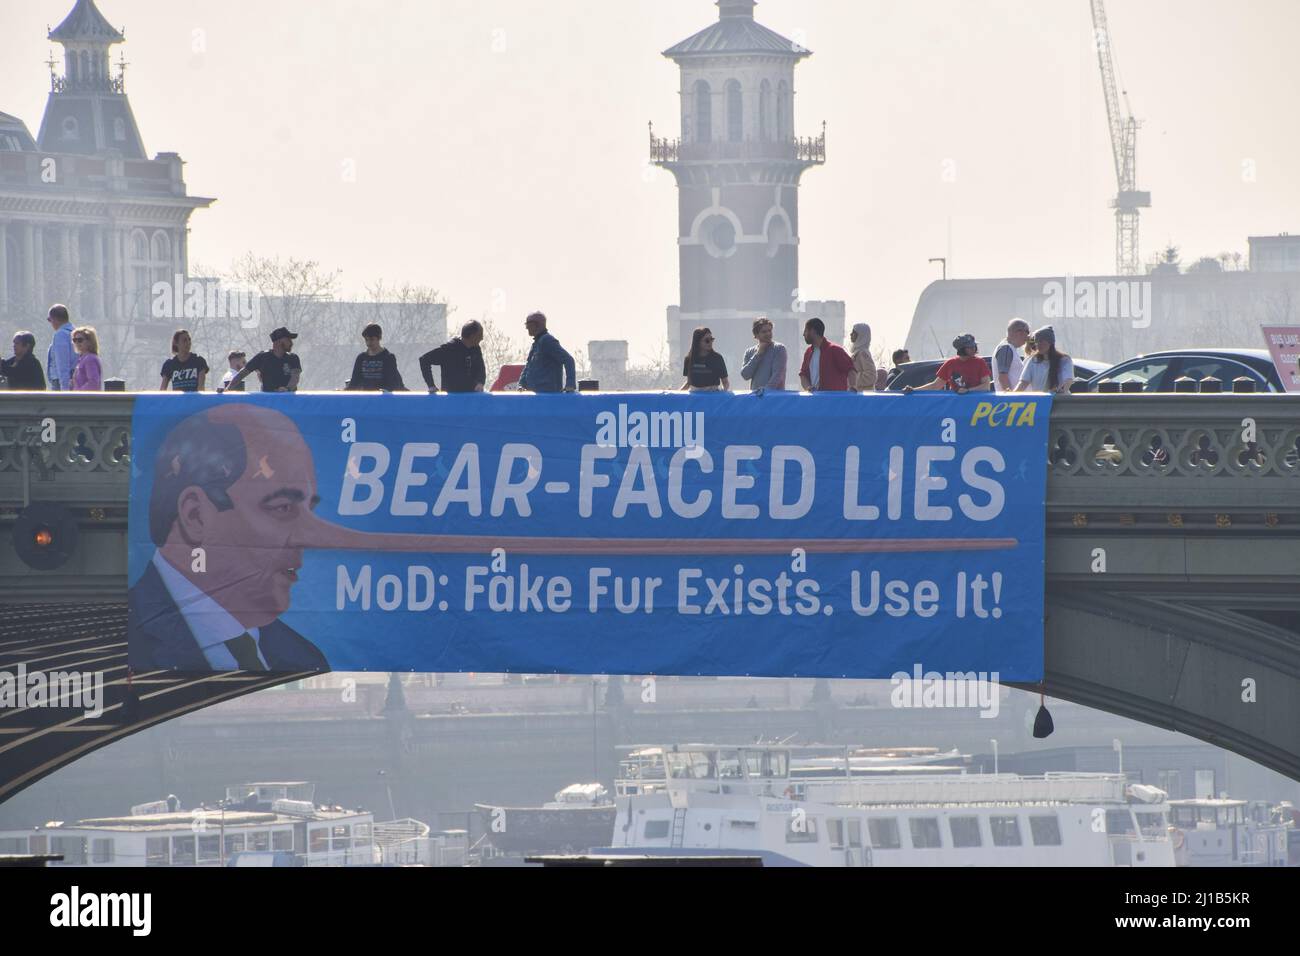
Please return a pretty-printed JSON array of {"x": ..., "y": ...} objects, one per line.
[{"x": 252, "y": 550}]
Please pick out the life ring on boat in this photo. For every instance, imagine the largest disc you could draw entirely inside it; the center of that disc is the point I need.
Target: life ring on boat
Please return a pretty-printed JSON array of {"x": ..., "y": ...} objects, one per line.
[
  {"x": 1177, "y": 837},
  {"x": 789, "y": 793}
]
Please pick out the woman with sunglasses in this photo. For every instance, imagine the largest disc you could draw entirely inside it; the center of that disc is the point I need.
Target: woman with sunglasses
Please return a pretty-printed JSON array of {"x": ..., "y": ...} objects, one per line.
[
  {"x": 704, "y": 369},
  {"x": 88, "y": 376}
]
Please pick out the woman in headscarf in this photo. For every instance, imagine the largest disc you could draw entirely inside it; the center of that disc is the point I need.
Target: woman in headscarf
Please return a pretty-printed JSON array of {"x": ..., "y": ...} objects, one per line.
[{"x": 864, "y": 366}]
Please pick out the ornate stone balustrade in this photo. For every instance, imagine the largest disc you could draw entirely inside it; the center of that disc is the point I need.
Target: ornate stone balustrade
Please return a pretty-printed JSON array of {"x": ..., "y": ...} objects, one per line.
[{"x": 1197, "y": 456}]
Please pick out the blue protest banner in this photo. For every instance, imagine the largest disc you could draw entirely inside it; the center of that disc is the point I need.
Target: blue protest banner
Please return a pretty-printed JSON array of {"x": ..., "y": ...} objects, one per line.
[{"x": 773, "y": 535}]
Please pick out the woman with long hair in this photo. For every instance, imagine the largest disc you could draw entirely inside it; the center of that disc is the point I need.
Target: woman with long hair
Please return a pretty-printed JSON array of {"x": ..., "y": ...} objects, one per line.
[
  {"x": 1048, "y": 370},
  {"x": 704, "y": 369},
  {"x": 185, "y": 371},
  {"x": 88, "y": 376}
]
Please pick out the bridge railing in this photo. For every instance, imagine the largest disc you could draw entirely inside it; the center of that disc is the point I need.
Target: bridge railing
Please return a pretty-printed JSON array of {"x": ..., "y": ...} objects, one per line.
[{"x": 1185, "y": 454}]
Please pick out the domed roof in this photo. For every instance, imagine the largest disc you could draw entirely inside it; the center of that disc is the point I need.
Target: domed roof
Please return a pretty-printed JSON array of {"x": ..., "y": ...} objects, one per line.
[
  {"x": 85, "y": 22},
  {"x": 736, "y": 31}
]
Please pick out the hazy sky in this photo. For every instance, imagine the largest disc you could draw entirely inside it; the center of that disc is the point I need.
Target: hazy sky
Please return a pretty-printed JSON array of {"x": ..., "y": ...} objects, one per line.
[{"x": 499, "y": 146}]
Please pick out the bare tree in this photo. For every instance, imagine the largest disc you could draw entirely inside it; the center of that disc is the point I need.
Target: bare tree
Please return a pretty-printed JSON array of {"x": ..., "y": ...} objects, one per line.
[{"x": 500, "y": 348}]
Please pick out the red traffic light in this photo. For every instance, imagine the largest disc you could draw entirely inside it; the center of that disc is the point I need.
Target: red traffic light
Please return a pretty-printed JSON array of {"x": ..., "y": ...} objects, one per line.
[{"x": 43, "y": 538}]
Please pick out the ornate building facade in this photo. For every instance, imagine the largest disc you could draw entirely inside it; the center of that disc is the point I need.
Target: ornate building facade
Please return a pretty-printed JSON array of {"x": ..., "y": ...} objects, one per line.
[
  {"x": 86, "y": 218},
  {"x": 738, "y": 165}
]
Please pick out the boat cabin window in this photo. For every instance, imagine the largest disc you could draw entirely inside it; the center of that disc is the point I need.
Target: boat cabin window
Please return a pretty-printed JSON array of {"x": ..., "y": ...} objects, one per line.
[
  {"x": 282, "y": 840},
  {"x": 210, "y": 849},
  {"x": 156, "y": 851},
  {"x": 855, "y": 832},
  {"x": 692, "y": 765},
  {"x": 1120, "y": 822},
  {"x": 342, "y": 838},
  {"x": 259, "y": 841},
  {"x": 656, "y": 829},
  {"x": 39, "y": 844},
  {"x": 361, "y": 834},
  {"x": 767, "y": 763},
  {"x": 835, "y": 833},
  {"x": 1005, "y": 830},
  {"x": 234, "y": 844},
  {"x": 102, "y": 851},
  {"x": 183, "y": 851},
  {"x": 925, "y": 833},
  {"x": 1151, "y": 824},
  {"x": 1045, "y": 830},
  {"x": 72, "y": 848},
  {"x": 319, "y": 840},
  {"x": 965, "y": 831},
  {"x": 800, "y": 828},
  {"x": 729, "y": 765},
  {"x": 13, "y": 845},
  {"x": 884, "y": 833}
]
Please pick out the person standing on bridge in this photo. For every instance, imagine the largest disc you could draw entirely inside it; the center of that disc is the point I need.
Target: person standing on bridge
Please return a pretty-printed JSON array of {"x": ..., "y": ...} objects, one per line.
[
  {"x": 1049, "y": 370},
  {"x": 549, "y": 367},
  {"x": 375, "y": 369},
  {"x": 278, "y": 367},
  {"x": 966, "y": 372},
  {"x": 864, "y": 366},
  {"x": 88, "y": 376},
  {"x": 460, "y": 360},
  {"x": 765, "y": 360},
  {"x": 1009, "y": 356},
  {"x": 23, "y": 371},
  {"x": 826, "y": 367},
  {"x": 185, "y": 371},
  {"x": 61, "y": 358},
  {"x": 705, "y": 369}
]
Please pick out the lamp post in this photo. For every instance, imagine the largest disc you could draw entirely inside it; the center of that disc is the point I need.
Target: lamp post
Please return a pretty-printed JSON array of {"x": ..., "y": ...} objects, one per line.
[
  {"x": 1118, "y": 746},
  {"x": 944, "y": 263},
  {"x": 994, "y": 742}
]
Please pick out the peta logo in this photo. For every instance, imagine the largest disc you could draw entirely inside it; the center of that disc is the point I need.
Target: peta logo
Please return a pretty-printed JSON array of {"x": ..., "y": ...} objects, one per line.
[
  {"x": 75, "y": 909},
  {"x": 997, "y": 414},
  {"x": 649, "y": 429}
]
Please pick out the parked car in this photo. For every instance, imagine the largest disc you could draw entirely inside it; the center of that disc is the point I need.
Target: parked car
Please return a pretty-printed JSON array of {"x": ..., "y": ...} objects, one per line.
[
  {"x": 1158, "y": 371},
  {"x": 922, "y": 373}
]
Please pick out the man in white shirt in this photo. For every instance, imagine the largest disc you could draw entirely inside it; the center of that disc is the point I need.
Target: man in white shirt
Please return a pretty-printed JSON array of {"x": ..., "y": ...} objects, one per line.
[{"x": 1009, "y": 356}]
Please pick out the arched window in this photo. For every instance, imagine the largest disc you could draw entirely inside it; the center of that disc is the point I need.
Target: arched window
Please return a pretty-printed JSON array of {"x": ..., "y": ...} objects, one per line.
[
  {"x": 119, "y": 130},
  {"x": 703, "y": 112},
  {"x": 735, "y": 112},
  {"x": 764, "y": 107},
  {"x": 86, "y": 75},
  {"x": 783, "y": 111},
  {"x": 69, "y": 127},
  {"x": 160, "y": 262},
  {"x": 139, "y": 254},
  {"x": 72, "y": 68}
]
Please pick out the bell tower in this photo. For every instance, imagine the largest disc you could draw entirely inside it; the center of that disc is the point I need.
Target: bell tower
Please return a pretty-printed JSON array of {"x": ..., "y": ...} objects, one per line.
[
  {"x": 88, "y": 111},
  {"x": 738, "y": 164}
]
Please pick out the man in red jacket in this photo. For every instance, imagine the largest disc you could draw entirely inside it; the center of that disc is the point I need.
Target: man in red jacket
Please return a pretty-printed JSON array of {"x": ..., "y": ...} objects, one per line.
[{"x": 826, "y": 367}]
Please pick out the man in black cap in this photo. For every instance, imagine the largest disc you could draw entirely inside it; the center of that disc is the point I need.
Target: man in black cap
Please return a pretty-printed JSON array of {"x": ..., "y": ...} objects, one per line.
[
  {"x": 965, "y": 372},
  {"x": 278, "y": 368}
]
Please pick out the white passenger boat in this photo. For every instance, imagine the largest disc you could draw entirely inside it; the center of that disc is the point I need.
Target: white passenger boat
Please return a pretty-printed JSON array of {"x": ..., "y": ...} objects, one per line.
[
  {"x": 702, "y": 799},
  {"x": 1224, "y": 832},
  {"x": 257, "y": 824}
]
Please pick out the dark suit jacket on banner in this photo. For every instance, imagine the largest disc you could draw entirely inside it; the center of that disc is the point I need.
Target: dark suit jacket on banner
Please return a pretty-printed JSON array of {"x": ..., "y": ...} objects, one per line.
[{"x": 158, "y": 637}]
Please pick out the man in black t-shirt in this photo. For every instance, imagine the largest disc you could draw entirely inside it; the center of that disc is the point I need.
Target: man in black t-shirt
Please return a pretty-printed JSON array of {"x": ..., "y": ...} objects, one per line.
[
  {"x": 278, "y": 367},
  {"x": 23, "y": 371},
  {"x": 461, "y": 362},
  {"x": 375, "y": 369}
]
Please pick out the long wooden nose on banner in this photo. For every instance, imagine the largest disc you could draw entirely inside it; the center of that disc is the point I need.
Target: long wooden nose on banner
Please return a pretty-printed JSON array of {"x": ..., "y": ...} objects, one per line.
[{"x": 316, "y": 533}]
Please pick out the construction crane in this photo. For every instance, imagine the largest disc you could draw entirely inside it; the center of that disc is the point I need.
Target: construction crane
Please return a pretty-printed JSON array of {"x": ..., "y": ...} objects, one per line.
[{"x": 1123, "y": 140}]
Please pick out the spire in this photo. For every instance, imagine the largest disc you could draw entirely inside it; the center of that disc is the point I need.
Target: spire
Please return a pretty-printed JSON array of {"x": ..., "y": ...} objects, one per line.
[
  {"x": 86, "y": 23},
  {"x": 736, "y": 8}
]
